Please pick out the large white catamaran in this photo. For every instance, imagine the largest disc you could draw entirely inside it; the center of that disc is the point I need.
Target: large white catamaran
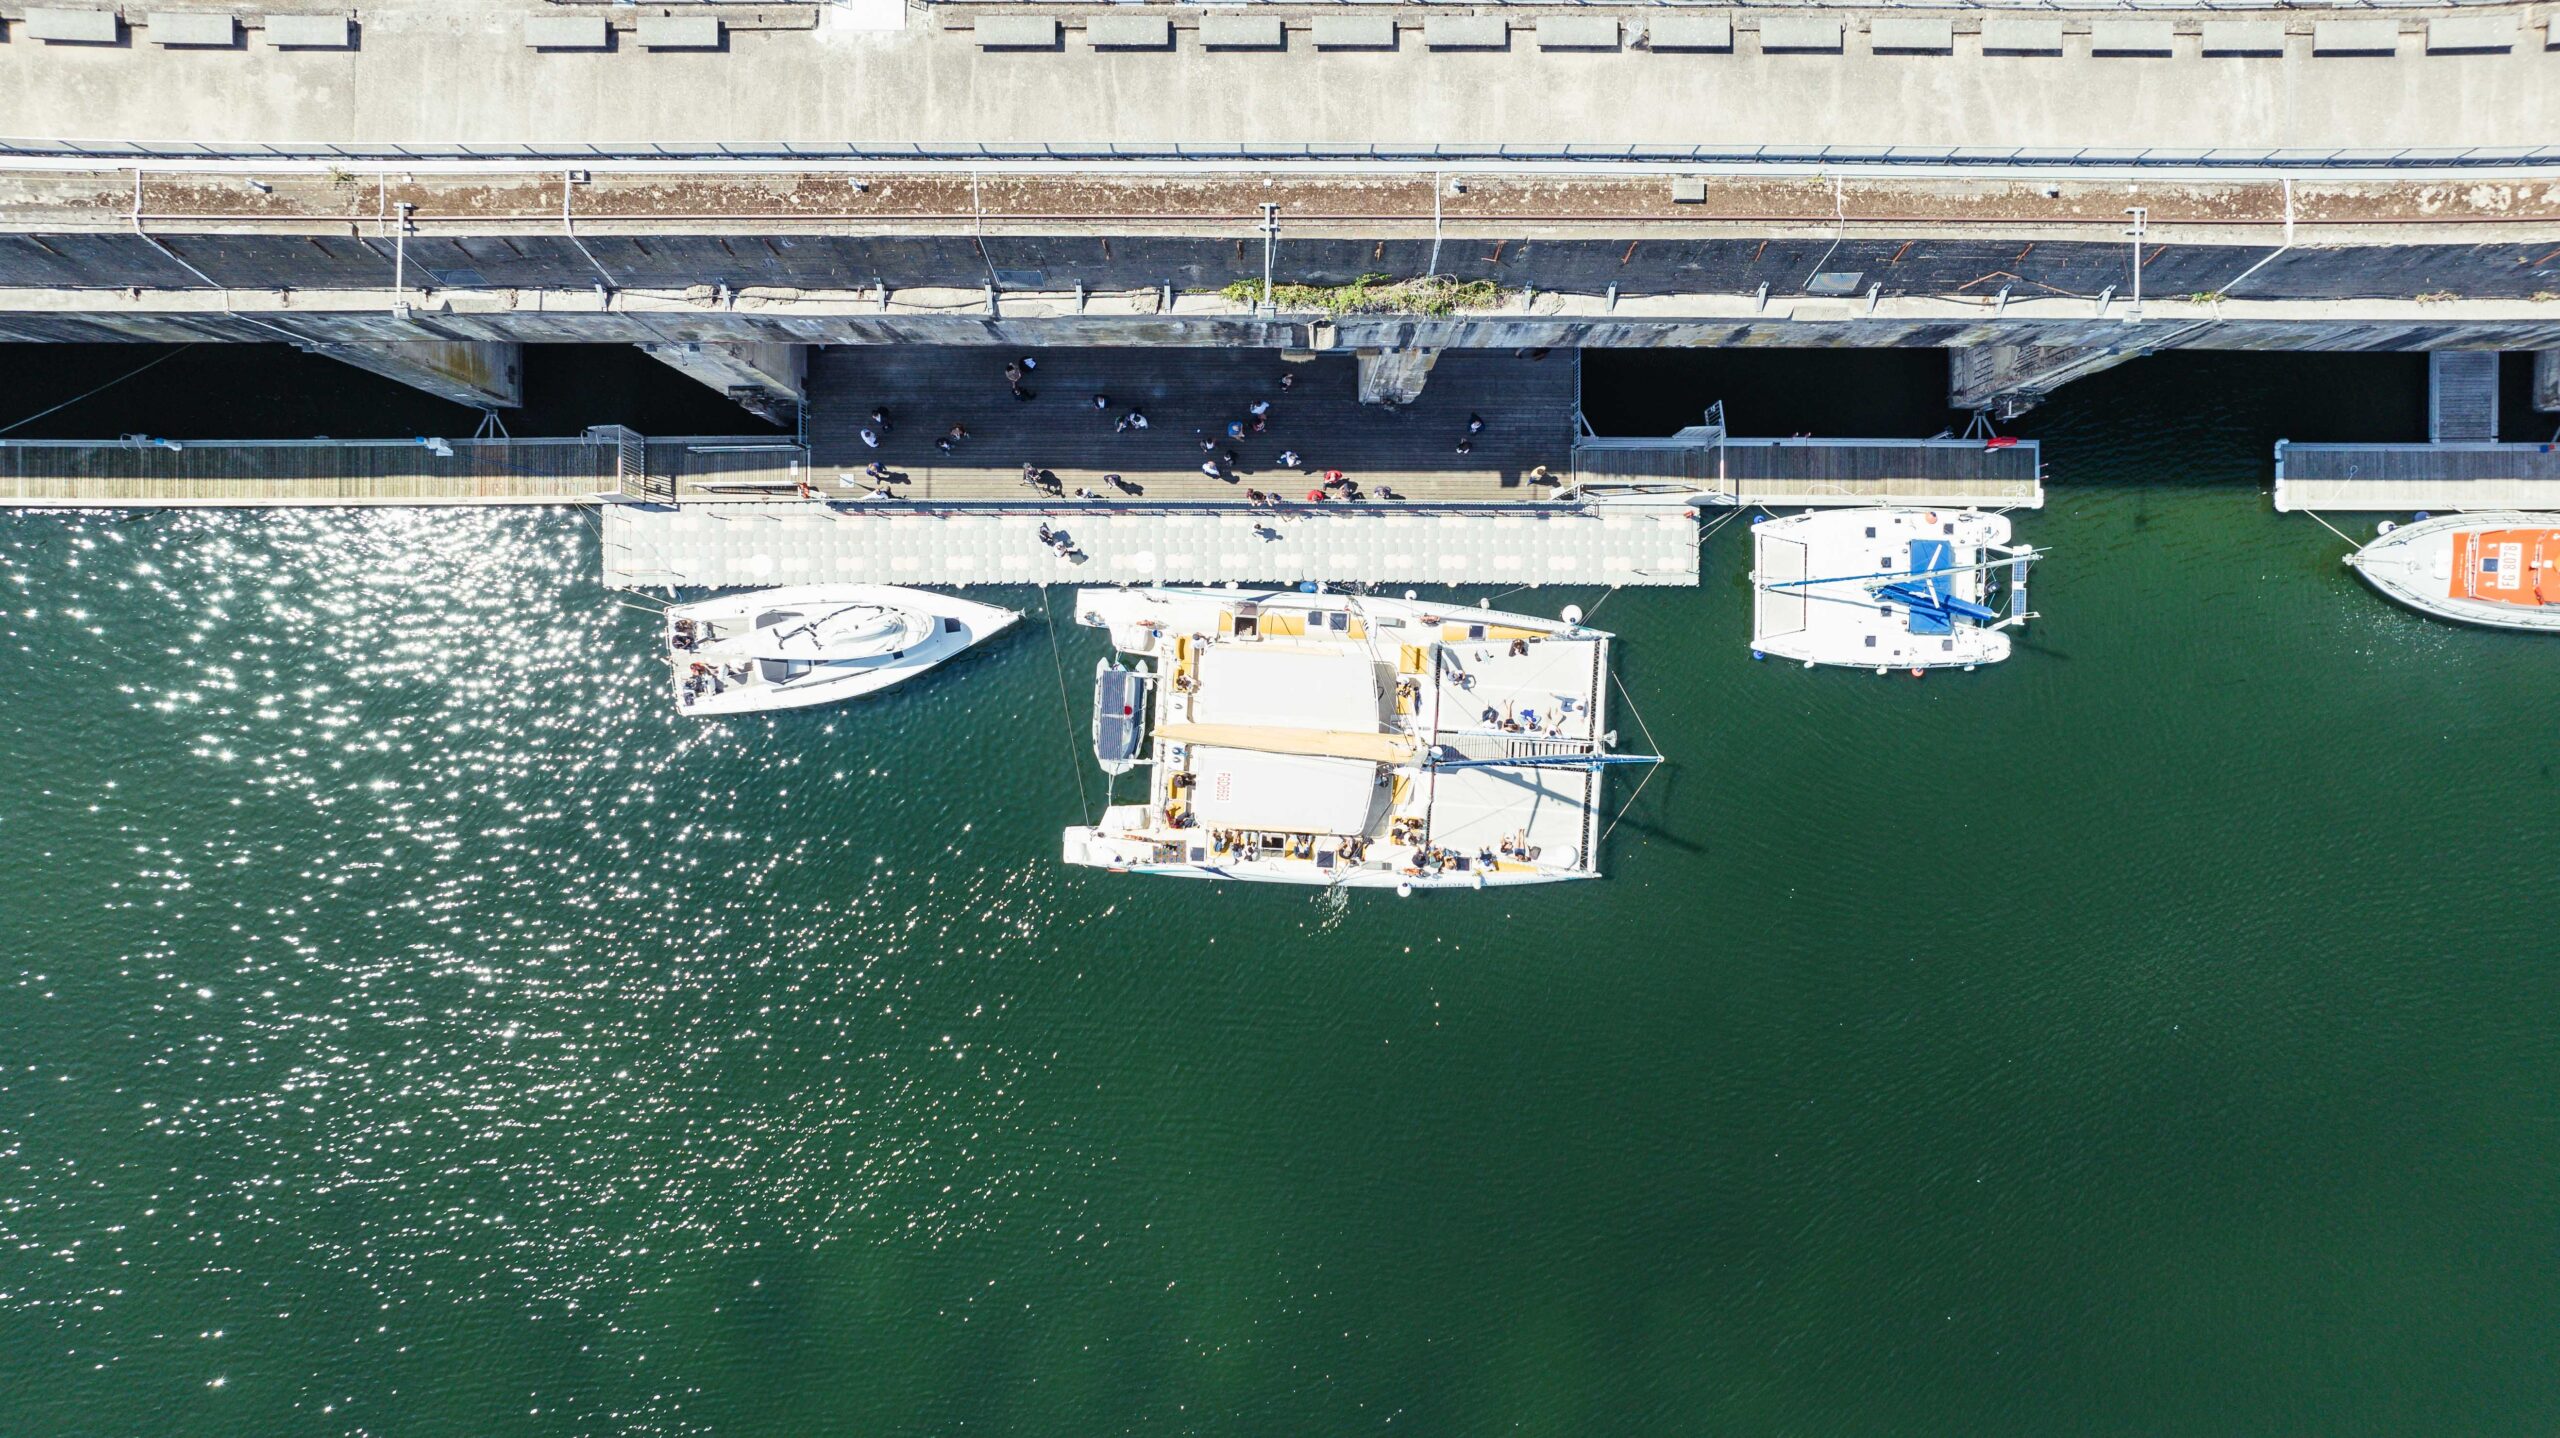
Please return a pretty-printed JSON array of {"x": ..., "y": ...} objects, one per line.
[
  {"x": 1887, "y": 588},
  {"x": 1333, "y": 739}
]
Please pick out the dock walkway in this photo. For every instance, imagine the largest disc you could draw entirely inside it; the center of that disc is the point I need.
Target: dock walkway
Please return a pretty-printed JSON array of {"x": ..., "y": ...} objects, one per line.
[
  {"x": 1717, "y": 469},
  {"x": 734, "y": 545},
  {"x": 1188, "y": 396},
  {"x": 2386, "y": 478}
]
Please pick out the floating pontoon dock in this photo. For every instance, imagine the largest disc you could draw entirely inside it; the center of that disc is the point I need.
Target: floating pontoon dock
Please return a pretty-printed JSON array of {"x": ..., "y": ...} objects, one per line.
[
  {"x": 1712, "y": 467},
  {"x": 2394, "y": 478},
  {"x": 716, "y": 546}
]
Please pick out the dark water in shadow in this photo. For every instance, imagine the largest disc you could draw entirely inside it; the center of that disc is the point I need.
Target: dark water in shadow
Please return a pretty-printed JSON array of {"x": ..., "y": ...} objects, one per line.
[{"x": 408, "y": 1026}]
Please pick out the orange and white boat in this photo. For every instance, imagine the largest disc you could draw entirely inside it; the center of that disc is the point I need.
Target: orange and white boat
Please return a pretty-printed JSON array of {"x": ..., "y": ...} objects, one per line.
[{"x": 2495, "y": 568}]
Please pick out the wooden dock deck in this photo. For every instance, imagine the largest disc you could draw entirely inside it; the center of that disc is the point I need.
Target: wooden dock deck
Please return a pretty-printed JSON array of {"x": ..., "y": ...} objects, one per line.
[
  {"x": 254, "y": 473},
  {"x": 1188, "y": 396},
  {"x": 2391, "y": 478},
  {"x": 1718, "y": 469}
]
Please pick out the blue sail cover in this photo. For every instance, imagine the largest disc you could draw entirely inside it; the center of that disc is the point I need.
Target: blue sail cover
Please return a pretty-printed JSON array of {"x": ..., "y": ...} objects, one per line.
[{"x": 1926, "y": 595}]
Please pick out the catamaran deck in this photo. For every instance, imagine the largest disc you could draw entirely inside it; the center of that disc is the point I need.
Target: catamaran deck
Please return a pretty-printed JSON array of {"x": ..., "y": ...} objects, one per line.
[{"x": 803, "y": 542}]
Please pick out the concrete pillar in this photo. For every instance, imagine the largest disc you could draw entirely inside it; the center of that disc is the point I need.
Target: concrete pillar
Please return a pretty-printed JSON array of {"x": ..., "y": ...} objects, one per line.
[
  {"x": 483, "y": 374},
  {"x": 2009, "y": 380},
  {"x": 2546, "y": 381},
  {"x": 767, "y": 379},
  {"x": 1395, "y": 376}
]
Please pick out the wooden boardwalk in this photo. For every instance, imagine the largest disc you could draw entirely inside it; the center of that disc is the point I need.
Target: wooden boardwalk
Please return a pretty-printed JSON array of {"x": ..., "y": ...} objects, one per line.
[
  {"x": 2406, "y": 477},
  {"x": 251, "y": 473},
  {"x": 1188, "y": 396},
  {"x": 1821, "y": 471}
]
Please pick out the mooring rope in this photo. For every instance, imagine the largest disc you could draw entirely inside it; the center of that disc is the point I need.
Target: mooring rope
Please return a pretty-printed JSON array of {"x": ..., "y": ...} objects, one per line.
[
  {"x": 1066, "y": 711},
  {"x": 2333, "y": 529}
]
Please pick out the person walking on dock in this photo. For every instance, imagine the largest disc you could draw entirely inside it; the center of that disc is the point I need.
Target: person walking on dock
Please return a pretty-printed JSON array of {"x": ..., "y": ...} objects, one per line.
[
  {"x": 880, "y": 419},
  {"x": 870, "y": 439},
  {"x": 1259, "y": 408},
  {"x": 1288, "y": 380},
  {"x": 1102, "y": 401},
  {"x": 1466, "y": 446},
  {"x": 950, "y": 437},
  {"x": 1288, "y": 459},
  {"x": 1209, "y": 467},
  {"x": 1475, "y": 423},
  {"x": 1013, "y": 381},
  {"x": 1137, "y": 419}
]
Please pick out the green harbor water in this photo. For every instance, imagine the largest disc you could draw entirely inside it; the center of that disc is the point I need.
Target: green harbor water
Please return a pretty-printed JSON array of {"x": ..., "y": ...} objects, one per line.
[{"x": 409, "y": 1027}]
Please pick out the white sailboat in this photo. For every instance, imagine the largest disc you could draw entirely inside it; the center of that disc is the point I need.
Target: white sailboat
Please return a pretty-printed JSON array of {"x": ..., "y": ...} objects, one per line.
[
  {"x": 1331, "y": 739},
  {"x": 2500, "y": 568},
  {"x": 811, "y": 644},
  {"x": 1887, "y": 588}
]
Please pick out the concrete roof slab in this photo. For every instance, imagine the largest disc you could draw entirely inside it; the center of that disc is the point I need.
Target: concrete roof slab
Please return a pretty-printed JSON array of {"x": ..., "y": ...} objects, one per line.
[
  {"x": 2243, "y": 37},
  {"x": 1816, "y": 33},
  {"x": 192, "y": 27},
  {"x": 1017, "y": 32},
  {"x": 1908, "y": 35},
  {"x": 73, "y": 27},
  {"x": 1577, "y": 32},
  {"x": 2132, "y": 37},
  {"x": 678, "y": 32},
  {"x": 310, "y": 32},
  {"x": 567, "y": 32},
  {"x": 2021, "y": 35},
  {"x": 1689, "y": 32},
  {"x": 1242, "y": 32},
  {"x": 1129, "y": 32},
  {"x": 2355, "y": 37},
  {"x": 1355, "y": 32},
  {"x": 2457, "y": 33},
  {"x": 1466, "y": 32}
]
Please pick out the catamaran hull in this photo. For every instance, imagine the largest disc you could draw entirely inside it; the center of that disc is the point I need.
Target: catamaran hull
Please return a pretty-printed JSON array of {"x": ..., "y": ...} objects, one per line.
[
  {"x": 2414, "y": 565},
  {"x": 959, "y": 624},
  {"x": 1845, "y": 625},
  {"x": 1093, "y": 849}
]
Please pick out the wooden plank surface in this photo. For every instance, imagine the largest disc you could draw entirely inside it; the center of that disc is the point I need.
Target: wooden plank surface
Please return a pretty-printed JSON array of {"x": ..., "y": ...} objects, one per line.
[{"x": 1188, "y": 396}]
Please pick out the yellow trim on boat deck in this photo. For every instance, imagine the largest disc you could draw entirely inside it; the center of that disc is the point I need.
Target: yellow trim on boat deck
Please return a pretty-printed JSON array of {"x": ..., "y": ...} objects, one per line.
[{"x": 1410, "y": 659}]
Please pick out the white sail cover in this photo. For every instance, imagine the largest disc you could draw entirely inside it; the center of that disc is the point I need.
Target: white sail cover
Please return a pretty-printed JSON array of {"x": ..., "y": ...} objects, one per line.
[
  {"x": 1284, "y": 793},
  {"x": 1283, "y": 686}
]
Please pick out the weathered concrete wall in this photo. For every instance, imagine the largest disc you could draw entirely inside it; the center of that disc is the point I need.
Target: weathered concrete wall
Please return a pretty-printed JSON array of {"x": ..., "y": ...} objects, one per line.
[
  {"x": 1632, "y": 264},
  {"x": 484, "y": 374}
]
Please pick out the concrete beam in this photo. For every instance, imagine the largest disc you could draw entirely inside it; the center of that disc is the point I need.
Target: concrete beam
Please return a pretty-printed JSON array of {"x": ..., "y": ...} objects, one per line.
[
  {"x": 2546, "y": 381},
  {"x": 2010, "y": 379},
  {"x": 1395, "y": 376},
  {"x": 767, "y": 380},
  {"x": 483, "y": 374}
]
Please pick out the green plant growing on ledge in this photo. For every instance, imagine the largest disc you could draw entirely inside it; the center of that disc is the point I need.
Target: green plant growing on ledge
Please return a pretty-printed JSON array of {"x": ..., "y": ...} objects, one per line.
[{"x": 1375, "y": 295}]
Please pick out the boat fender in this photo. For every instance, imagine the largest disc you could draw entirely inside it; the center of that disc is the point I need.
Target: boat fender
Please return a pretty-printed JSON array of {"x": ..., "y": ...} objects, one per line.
[
  {"x": 2421, "y": 515},
  {"x": 1404, "y": 890},
  {"x": 1756, "y": 655},
  {"x": 2386, "y": 526},
  {"x": 1919, "y": 673}
]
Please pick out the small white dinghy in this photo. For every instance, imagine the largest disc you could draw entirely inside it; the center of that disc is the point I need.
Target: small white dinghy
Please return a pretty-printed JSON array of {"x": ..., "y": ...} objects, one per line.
[
  {"x": 2499, "y": 568},
  {"x": 810, "y": 644},
  {"x": 1887, "y": 588}
]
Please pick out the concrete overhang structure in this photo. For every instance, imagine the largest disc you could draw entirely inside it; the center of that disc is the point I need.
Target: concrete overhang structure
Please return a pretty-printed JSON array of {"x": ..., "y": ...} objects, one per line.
[{"x": 999, "y": 173}]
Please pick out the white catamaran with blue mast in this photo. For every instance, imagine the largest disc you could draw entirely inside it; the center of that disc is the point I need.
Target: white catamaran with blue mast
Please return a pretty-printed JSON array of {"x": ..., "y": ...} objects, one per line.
[
  {"x": 1887, "y": 589},
  {"x": 1311, "y": 738}
]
